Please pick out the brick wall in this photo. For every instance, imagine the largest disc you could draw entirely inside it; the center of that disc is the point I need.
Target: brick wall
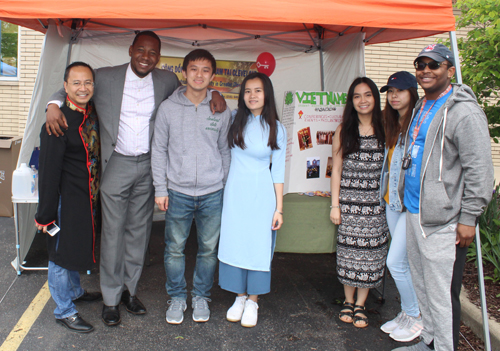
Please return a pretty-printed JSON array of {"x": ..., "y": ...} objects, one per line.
[{"x": 15, "y": 96}]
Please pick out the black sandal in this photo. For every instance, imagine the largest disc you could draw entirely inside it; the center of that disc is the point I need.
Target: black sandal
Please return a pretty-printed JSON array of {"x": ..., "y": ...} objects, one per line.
[
  {"x": 347, "y": 311},
  {"x": 360, "y": 316}
]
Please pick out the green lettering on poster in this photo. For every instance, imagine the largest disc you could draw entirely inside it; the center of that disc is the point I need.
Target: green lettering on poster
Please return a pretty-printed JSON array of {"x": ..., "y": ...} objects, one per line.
[
  {"x": 300, "y": 97},
  {"x": 321, "y": 95}
]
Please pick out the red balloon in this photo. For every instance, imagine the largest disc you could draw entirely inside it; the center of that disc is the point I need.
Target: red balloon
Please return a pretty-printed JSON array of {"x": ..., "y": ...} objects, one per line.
[{"x": 266, "y": 63}]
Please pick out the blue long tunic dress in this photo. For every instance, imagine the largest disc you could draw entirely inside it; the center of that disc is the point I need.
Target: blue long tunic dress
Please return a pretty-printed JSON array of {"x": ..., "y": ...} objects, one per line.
[{"x": 246, "y": 239}]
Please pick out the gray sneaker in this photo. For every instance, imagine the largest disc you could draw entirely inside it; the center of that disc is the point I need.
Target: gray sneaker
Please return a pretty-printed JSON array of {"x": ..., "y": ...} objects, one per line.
[
  {"x": 201, "y": 312},
  {"x": 421, "y": 346},
  {"x": 175, "y": 312}
]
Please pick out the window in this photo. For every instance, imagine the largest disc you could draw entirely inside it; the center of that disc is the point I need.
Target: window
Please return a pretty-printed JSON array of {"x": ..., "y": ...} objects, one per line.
[{"x": 8, "y": 50}]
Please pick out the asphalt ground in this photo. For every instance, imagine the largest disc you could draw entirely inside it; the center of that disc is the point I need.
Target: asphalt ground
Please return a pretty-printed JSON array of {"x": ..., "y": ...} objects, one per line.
[{"x": 300, "y": 313}]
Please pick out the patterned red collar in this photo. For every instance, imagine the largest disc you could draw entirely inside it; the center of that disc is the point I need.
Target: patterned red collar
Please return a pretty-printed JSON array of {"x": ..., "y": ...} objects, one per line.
[{"x": 74, "y": 107}]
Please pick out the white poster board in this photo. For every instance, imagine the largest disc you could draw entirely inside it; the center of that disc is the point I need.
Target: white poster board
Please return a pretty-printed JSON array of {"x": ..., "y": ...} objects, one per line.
[{"x": 310, "y": 119}]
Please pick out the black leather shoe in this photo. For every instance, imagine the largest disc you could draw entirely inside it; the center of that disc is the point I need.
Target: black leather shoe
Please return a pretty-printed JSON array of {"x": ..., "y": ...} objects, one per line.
[
  {"x": 88, "y": 297},
  {"x": 111, "y": 315},
  {"x": 132, "y": 303},
  {"x": 76, "y": 323}
]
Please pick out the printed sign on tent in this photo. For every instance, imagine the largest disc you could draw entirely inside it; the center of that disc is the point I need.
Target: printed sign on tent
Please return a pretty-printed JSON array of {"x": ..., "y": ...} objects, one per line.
[
  {"x": 310, "y": 119},
  {"x": 228, "y": 75}
]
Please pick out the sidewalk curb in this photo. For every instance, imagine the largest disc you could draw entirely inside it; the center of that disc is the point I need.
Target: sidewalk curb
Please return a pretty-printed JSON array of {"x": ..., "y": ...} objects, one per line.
[{"x": 472, "y": 317}]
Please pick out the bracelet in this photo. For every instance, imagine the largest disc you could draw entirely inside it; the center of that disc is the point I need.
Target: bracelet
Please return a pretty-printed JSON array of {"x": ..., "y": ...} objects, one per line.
[
  {"x": 281, "y": 213},
  {"x": 334, "y": 206}
]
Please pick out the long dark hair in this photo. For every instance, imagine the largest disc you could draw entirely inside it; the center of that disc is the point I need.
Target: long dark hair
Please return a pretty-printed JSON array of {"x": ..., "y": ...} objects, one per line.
[
  {"x": 349, "y": 135},
  {"x": 391, "y": 119},
  {"x": 269, "y": 114}
]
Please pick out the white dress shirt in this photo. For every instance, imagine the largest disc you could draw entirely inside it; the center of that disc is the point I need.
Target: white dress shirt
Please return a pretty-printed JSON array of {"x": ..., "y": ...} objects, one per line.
[{"x": 137, "y": 108}]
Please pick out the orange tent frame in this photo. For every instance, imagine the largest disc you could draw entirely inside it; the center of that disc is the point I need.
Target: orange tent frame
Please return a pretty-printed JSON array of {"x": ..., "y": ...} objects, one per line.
[{"x": 381, "y": 20}]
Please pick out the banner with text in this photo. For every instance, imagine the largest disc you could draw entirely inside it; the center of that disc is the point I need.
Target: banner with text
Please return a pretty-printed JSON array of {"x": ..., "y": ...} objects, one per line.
[
  {"x": 310, "y": 119},
  {"x": 228, "y": 75}
]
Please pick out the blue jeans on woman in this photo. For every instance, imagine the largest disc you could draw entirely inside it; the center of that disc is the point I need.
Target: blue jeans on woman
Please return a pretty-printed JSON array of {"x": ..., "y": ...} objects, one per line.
[
  {"x": 397, "y": 262},
  {"x": 206, "y": 211}
]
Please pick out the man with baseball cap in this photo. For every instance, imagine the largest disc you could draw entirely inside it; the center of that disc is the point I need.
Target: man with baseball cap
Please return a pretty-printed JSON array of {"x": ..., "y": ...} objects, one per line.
[{"x": 448, "y": 180}]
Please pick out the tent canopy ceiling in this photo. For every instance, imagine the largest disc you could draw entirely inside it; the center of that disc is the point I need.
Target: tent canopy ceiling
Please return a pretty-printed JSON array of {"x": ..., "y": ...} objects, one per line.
[{"x": 382, "y": 20}]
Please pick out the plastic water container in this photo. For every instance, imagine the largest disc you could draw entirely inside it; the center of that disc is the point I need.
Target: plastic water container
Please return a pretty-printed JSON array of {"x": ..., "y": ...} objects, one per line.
[{"x": 22, "y": 182}]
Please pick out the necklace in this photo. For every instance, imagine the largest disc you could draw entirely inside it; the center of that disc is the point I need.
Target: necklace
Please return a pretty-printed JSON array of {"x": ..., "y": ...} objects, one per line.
[{"x": 365, "y": 131}]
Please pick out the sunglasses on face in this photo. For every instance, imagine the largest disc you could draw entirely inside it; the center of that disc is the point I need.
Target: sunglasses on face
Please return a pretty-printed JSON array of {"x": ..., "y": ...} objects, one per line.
[{"x": 433, "y": 65}]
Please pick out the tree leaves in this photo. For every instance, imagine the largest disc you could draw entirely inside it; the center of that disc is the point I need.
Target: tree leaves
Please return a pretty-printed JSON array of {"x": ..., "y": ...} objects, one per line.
[{"x": 480, "y": 55}]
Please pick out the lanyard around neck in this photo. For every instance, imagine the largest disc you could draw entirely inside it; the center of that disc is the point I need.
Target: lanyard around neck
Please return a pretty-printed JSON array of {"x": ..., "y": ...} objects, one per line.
[{"x": 420, "y": 119}]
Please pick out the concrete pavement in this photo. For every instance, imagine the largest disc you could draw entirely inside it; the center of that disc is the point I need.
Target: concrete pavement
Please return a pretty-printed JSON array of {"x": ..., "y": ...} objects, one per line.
[{"x": 301, "y": 312}]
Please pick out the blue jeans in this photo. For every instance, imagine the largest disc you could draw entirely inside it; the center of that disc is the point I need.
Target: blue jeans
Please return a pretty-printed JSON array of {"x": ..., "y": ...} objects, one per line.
[
  {"x": 64, "y": 287},
  {"x": 206, "y": 211},
  {"x": 397, "y": 262}
]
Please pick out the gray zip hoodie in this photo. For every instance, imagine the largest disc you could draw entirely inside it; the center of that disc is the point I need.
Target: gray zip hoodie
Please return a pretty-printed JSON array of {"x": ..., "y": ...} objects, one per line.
[
  {"x": 456, "y": 178},
  {"x": 189, "y": 153}
]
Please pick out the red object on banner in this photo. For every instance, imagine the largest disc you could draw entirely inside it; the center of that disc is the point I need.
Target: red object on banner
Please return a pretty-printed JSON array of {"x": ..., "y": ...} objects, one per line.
[{"x": 266, "y": 63}]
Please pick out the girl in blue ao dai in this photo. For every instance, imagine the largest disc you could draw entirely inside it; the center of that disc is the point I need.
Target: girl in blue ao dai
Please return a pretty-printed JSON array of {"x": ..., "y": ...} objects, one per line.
[{"x": 253, "y": 198}]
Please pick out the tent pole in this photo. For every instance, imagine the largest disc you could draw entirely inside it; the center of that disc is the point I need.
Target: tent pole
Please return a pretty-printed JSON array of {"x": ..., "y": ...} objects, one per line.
[
  {"x": 454, "y": 49},
  {"x": 482, "y": 294},
  {"x": 321, "y": 65},
  {"x": 68, "y": 58}
]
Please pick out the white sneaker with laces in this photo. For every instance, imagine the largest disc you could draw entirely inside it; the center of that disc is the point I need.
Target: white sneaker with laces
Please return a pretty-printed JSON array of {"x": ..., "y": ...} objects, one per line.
[
  {"x": 236, "y": 311},
  {"x": 249, "y": 318},
  {"x": 388, "y": 327},
  {"x": 409, "y": 330}
]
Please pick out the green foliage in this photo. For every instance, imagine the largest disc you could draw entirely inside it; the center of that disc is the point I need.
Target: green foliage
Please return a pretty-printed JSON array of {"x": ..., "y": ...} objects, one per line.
[
  {"x": 480, "y": 55},
  {"x": 489, "y": 227},
  {"x": 289, "y": 98}
]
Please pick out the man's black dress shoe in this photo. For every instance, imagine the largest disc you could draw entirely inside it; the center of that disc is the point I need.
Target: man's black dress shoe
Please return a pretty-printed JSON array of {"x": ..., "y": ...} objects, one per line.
[
  {"x": 132, "y": 303},
  {"x": 76, "y": 323},
  {"x": 111, "y": 315},
  {"x": 88, "y": 297}
]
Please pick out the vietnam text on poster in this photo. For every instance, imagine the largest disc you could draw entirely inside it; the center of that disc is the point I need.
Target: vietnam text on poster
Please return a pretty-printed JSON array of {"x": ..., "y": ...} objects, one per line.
[{"x": 310, "y": 118}]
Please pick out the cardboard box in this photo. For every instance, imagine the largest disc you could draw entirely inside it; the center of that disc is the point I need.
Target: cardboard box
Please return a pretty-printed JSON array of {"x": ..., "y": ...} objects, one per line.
[{"x": 9, "y": 152}]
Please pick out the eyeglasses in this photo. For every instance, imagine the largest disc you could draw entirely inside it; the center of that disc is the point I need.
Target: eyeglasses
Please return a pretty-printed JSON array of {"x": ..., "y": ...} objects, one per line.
[
  {"x": 78, "y": 84},
  {"x": 433, "y": 65}
]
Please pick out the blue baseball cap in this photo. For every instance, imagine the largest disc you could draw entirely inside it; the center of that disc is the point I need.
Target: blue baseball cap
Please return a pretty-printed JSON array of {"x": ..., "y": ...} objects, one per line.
[
  {"x": 437, "y": 52},
  {"x": 402, "y": 80}
]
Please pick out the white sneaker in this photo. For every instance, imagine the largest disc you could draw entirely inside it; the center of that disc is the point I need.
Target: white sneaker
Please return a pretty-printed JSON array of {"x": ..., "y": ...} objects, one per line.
[
  {"x": 409, "y": 330},
  {"x": 388, "y": 327},
  {"x": 249, "y": 318},
  {"x": 236, "y": 311}
]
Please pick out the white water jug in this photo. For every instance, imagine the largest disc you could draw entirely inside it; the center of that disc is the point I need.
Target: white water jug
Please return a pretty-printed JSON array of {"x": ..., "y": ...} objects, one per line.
[{"x": 21, "y": 182}]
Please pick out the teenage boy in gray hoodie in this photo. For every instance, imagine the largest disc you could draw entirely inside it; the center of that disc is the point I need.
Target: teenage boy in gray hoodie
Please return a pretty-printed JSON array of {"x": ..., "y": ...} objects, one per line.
[
  {"x": 448, "y": 180},
  {"x": 190, "y": 162}
]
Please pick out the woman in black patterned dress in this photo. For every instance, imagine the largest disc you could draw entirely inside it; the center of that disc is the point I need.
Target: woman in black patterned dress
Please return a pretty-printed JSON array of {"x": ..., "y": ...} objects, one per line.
[{"x": 362, "y": 243}]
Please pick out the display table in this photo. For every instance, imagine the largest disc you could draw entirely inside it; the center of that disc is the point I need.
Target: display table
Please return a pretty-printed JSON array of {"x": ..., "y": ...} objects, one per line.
[
  {"x": 18, "y": 261},
  {"x": 307, "y": 227}
]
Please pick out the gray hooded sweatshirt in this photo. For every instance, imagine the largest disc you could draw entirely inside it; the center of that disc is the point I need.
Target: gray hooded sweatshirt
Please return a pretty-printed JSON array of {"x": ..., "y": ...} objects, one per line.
[
  {"x": 456, "y": 178},
  {"x": 189, "y": 153}
]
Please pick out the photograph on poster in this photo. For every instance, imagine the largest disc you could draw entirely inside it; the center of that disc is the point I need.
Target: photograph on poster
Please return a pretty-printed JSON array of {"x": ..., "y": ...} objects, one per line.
[
  {"x": 329, "y": 167},
  {"x": 305, "y": 141},
  {"x": 324, "y": 137},
  {"x": 312, "y": 167}
]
